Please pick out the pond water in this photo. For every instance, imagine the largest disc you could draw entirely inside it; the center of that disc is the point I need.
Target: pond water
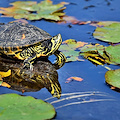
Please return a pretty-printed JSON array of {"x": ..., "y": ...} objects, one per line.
[{"x": 93, "y": 84}]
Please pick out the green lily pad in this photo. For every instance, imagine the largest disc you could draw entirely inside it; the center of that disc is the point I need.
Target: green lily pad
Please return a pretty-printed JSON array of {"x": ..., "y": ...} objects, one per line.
[
  {"x": 113, "y": 78},
  {"x": 71, "y": 48},
  {"x": 113, "y": 52},
  {"x": 97, "y": 48},
  {"x": 94, "y": 53},
  {"x": 108, "y": 33},
  {"x": 35, "y": 11},
  {"x": 16, "y": 107},
  {"x": 102, "y": 53}
]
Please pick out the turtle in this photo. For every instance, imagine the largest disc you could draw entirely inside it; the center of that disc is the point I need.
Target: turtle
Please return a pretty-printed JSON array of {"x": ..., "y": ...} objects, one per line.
[{"x": 27, "y": 42}]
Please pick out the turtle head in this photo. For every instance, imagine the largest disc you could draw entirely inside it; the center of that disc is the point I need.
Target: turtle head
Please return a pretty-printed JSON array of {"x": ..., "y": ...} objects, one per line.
[{"x": 54, "y": 44}]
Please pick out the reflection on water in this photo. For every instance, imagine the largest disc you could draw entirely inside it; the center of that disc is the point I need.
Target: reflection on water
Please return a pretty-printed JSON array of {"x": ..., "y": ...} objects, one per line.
[
  {"x": 76, "y": 98},
  {"x": 43, "y": 75}
]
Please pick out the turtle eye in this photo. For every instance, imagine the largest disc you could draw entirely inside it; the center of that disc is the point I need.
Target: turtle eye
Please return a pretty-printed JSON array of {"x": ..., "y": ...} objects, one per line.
[{"x": 54, "y": 38}]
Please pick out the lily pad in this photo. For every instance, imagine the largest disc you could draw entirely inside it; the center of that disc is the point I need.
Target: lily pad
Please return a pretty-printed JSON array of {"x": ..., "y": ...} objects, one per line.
[
  {"x": 34, "y": 11},
  {"x": 100, "y": 54},
  {"x": 94, "y": 53},
  {"x": 71, "y": 49},
  {"x": 113, "y": 52},
  {"x": 113, "y": 78},
  {"x": 102, "y": 23},
  {"x": 16, "y": 107},
  {"x": 97, "y": 48},
  {"x": 108, "y": 32}
]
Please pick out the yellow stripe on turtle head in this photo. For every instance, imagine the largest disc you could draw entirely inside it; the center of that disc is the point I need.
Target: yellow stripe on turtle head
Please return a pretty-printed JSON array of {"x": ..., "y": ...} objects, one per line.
[{"x": 56, "y": 42}]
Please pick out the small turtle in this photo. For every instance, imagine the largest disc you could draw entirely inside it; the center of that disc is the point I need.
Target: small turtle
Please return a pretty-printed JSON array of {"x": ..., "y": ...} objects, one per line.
[{"x": 27, "y": 42}]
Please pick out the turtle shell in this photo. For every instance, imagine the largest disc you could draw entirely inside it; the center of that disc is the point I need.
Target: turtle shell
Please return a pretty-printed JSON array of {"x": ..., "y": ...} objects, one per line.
[{"x": 19, "y": 34}]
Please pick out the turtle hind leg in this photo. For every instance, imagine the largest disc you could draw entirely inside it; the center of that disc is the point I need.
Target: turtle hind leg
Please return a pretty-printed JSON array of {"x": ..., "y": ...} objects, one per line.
[{"x": 60, "y": 59}]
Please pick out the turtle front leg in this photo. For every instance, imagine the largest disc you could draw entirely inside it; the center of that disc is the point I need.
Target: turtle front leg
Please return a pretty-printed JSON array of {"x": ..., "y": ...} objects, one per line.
[
  {"x": 61, "y": 59},
  {"x": 29, "y": 61}
]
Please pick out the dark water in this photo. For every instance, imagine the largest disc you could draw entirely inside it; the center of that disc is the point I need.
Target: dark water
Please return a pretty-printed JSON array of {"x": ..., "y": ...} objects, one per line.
[{"x": 94, "y": 80}]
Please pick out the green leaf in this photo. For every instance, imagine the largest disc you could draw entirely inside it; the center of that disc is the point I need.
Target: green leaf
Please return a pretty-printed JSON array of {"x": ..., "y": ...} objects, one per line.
[
  {"x": 16, "y": 107},
  {"x": 71, "y": 48},
  {"x": 93, "y": 48},
  {"x": 114, "y": 54},
  {"x": 108, "y": 33},
  {"x": 35, "y": 11},
  {"x": 94, "y": 53},
  {"x": 101, "y": 53},
  {"x": 25, "y": 5},
  {"x": 113, "y": 78}
]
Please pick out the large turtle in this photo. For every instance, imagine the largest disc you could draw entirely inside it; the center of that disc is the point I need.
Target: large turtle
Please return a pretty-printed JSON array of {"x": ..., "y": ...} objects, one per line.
[{"x": 27, "y": 42}]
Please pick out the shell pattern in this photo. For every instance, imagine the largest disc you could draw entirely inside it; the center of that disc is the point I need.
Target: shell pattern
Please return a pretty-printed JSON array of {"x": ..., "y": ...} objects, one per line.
[{"x": 21, "y": 34}]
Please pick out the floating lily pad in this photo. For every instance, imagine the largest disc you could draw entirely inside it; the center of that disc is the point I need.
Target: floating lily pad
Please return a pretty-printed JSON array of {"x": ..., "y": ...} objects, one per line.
[
  {"x": 97, "y": 48},
  {"x": 71, "y": 49},
  {"x": 113, "y": 52},
  {"x": 102, "y": 23},
  {"x": 16, "y": 107},
  {"x": 102, "y": 54},
  {"x": 34, "y": 11},
  {"x": 108, "y": 32},
  {"x": 113, "y": 78},
  {"x": 94, "y": 53}
]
